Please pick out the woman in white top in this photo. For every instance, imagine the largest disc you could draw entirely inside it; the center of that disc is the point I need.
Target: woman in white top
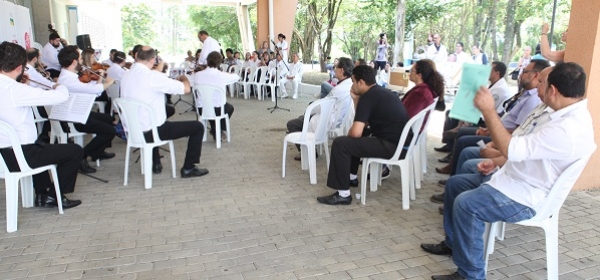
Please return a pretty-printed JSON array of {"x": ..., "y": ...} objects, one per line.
[
  {"x": 382, "y": 49},
  {"x": 283, "y": 47}
]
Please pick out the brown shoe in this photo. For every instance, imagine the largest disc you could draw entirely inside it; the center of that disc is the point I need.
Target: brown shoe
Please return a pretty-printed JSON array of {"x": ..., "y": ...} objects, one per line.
[
  {"x": 444, "y": 170},
  {"x": 441, "y": 209}
]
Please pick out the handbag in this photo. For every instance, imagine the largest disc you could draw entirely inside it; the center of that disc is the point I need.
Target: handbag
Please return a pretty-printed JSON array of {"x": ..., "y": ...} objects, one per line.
[{"x": 515, "y": 74}]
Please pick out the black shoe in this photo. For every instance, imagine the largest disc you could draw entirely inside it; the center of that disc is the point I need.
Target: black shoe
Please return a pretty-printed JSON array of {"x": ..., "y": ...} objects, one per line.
[
  {"x": 84, "y": 167},
  {"x": 453, "y": 276},
  {"x": 157, "y": 168},
  {"x": 194, "y": 172},
  {"x": 335, "y": 199},
  {"x": 354, "y": 183},
  {"x": 437, "y": 198},
  {"x": 49, "y": 201},
  {"x": 385, "y": 173},
  {"x": 212, "y": 133},
  {"x": 443, "y": 149},
  {"x": 442, "y": 183},
  {"x": 446, "y": 159},
  {"x": 437, "y": 249},
  {"x": 104, "y": 155}
]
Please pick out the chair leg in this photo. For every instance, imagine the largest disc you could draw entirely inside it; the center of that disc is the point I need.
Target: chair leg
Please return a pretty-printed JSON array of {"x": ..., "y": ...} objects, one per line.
[
  {"x": 283, "y": 160},
  {"x": 27, "y": 192},
  {"x": 405, "y": 187},
  {"x": 228, "y": 128},
  {"x": 327, "y": 156},
  {"x": 218, "y": 133},
  {"x": 12, "y": 203},
  {"x": 312, "y": 163},
  {"x": 374, "y": 174},
  {"x": 489, "y": 238},
  {"x": 204, "y": 122},
  {"x": 126, "y": 175},
  {"x": 173, "y": 162},
  {"x": 147, "y": 167},
  {"x": 551, "y": 230},
  {"x": 304, "y": 157},
  {"x": 363, "y": 181}
]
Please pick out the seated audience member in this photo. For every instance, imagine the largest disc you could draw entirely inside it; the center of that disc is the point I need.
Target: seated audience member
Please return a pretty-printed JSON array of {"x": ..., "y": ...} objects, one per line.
[
  {"x": 429, "y": 84},
  {"x": 149, "y": 86},
  {"x": 97, "y": 123},
  {"x": 212, "y": 76},
  {"x": 383, "y": 111},
  {"x": 553, "y": 137},
  {"x": 294, "y": 75},
  {"x": 236, "y": 56},
  {"x": 190, "y": 58},
  {"x": 229, "y": 59},
  {"x": 15, "y": 110},
  {"x": 341, "y": 93}
]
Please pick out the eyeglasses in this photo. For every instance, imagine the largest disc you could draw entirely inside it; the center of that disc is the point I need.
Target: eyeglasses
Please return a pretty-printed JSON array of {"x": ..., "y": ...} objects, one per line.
[{"x": 530, "y": 71}]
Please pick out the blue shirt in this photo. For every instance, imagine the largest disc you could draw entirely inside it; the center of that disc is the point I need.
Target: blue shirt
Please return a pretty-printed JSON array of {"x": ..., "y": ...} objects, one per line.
[{"x": 519, "y": 112}]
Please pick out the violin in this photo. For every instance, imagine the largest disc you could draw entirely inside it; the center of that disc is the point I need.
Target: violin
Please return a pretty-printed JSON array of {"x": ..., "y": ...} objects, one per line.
[{"x": 99, "y": 66}]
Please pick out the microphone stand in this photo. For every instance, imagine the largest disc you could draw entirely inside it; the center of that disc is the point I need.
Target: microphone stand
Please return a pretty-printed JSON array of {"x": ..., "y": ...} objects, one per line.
[{"x": 277, "y": 79}]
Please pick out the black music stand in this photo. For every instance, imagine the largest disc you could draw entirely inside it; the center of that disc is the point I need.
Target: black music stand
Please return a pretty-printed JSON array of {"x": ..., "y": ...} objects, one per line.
[{"x": 277, "y": 79}]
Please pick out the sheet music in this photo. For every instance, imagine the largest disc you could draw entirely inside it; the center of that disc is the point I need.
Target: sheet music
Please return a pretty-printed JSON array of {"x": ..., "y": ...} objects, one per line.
[{"x": 76, "y": 109}]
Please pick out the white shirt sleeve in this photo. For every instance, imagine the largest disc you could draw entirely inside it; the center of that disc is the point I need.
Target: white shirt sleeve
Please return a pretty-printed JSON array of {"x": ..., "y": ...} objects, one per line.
[
  {"x": 162, "y": 83},
  {"x": 29, "y": 96}
]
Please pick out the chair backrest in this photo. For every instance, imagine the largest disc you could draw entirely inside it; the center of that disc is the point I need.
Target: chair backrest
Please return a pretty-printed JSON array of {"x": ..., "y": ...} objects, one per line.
[
  {"x": 38, "y": 46},
  {"x": 427, "y": 119},
  {"x": 129, "y": 111},
  {"x": 412, "y": 127},
  {"x": 251, "y": 72},
  {"x": 560, "y": 190},
  {"x": 263, "y": 74},
  {"x": 235, "y": 69},
  {"x": 324, "y": 107},
  {"x": 206, "y": 93},
  {"x": 114, "y": 91},
  {"x": 10, "y": 133},
  {"x": 224, "y": 67}
]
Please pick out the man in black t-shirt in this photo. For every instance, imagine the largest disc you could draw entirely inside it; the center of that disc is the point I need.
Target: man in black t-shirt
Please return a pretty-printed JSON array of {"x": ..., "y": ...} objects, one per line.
[{"x": 386, "y": 117}]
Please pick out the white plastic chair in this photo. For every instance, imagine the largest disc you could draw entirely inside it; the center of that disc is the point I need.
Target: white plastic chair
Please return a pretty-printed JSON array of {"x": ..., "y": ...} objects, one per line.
[
  {"x": 247, "y": 81},
  {"x": 224, "y": 67},
  {"x": 420, "y": 155},
  {"x": 57, "y": 133},
  {"x": 235, "y": 69},
  {"x": 273, "y": 83},
  {"x": 406, "y": 171},
  {"x": 260, "y": 82},
  {"x": 206, "y": 93},
  {"x": 129, "y": 111},
  {"x": 12, "y": 179},
  {"x": 546, "y": 218},
  {"x": 38, "y": 119},
  {"x": 344, "y": 126},
  {"x": 309, "y": 140}
]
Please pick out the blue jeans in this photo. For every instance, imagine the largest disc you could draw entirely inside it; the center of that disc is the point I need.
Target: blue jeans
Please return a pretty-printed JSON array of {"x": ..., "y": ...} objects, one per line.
[
  {"x": 462, "y": 143},
  {"x": 470, "y": 167},
  {"x": 325, "y": 89},
  {"x": 465, "y": 214},
  {"x": 466, "y": 154}
]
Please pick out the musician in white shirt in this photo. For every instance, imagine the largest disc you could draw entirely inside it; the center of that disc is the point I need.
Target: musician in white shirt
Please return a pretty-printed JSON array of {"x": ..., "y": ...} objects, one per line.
[
  {"x": 149, "y": 86},
  {"x": 38, "y": 81},
  {"x": 209, "y": 44},
  {"x": 50, "y": 54},
  {"x": 116, "y": 71},
  {"x": 212, "y": 76},
  {"x": 97, "y": 123},
  {"x": 15, "y": 110},
  {"x": 294, "y": 75}
]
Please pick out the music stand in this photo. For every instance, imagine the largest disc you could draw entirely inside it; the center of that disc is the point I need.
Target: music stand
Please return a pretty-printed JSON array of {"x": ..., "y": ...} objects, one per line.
[
  {"x": 175, "y": 73},
  {"x": 277, "y": 79}
]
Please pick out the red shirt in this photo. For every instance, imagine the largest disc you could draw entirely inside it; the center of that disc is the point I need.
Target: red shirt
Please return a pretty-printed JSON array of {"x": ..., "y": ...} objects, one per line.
[{"x": 418, "y": 98}]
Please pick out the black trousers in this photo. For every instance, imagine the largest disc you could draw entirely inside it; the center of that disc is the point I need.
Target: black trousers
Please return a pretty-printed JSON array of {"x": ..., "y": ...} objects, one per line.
[
  {"x": 176, "y": 130},
  {"x": 170, "y": 110},
  {"x": 53, "y": 73},
  {"x": 345, "y": 157},
  {"x": 228, "y": 110},
  {"x": 65, "y": 156},
  {"x": 101, "y": 125},
  {"x": 104, "y": 98}
]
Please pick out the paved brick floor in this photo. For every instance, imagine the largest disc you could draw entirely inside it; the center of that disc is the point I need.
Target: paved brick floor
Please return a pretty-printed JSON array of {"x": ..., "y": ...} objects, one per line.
[{"x": 243, "y": 221}]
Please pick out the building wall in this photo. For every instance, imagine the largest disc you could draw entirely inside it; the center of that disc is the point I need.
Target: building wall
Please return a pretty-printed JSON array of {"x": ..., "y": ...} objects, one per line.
[{"x": 284, "y": 15}]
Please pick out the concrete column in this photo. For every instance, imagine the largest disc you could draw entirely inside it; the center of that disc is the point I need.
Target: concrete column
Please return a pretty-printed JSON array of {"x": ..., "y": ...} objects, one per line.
[
  {"x": 583, "y": 47},
  {"x": 284, "y": 14},
  {"x": 245, "y": 31},
  {"x": 41, "y": 16}
]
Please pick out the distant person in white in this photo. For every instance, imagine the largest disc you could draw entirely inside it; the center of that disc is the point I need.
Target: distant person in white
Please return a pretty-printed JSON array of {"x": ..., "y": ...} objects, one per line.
[
  {"x": 498, "y": 86},
  {"x": 294, "y": 75},
  {"x": 382, "y": 49},
  {"x": 116, "y": 71},
  {"x": 212, "y": 76},
  {"x": 436, "y": 51},
  {"x": 209, "y": 44},
  {"x": 283, "y": 47},
  {"x": 461, "y": 56},
  {"x": 50, "y": 54},
  {"x": 109, "y": 60},
  {"x": 143, "y": 84},
  {"x": 15, "y": 110}
]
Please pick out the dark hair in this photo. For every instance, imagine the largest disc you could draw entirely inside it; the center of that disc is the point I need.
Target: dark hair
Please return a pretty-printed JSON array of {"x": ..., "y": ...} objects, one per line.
[
  {"x": 347, "y": 65},
  {"x": 381, "y": 35},
  {"x": 32, "y": 53},
  {"x": 539, "y": 64},
  {"x": 361, "y": 61},
  {"x": 256, "y": 52},
  {"x": 135, "y": 50},
  {"x": 500, "y": 67},
  {"x": 538, "y": 49},
  {"x": 203, "y": 32},
  {"x": 430, "y": 76},
  {"x": 198, "y": 51},
  {"x": 214, "y": 59},
  {"x": 229, "y": 50},
  {"x": 281, "y": 35},
  {"x": 365, "y": 73},
  {"x": 53, "y": 36},
  {"x": 118, "y": 57},
  {"x": 11, "y": 56},
  {"x": 113, "y": 50},
  {"x": 146, "y": 55},
  {"x": 67, "y": 54},
  {"x": 461, "y": 44},
  {"x": 235, "y": 53},
  {"x": 569, "y": 79}
]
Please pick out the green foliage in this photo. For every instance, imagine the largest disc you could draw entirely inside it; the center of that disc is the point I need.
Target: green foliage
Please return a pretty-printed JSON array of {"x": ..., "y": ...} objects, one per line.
[
  {"x": 218, "y": 20},
  {"x": 137, "y": 25}
]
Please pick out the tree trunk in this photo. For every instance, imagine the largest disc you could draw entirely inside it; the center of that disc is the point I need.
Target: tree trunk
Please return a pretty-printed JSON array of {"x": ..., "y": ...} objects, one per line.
[
  {"x": 478, "y": 22},
  {"x": 399, "y": 40},
  {"x": 509, "y": 31},
  {"x": 333, "y": 8}
]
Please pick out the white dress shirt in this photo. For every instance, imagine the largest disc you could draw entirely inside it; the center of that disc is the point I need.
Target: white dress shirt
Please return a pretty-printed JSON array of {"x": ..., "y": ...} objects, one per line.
[
  {"x": 283, "y": 49},
  {"x": 37, "y": 77},
  {"x": 15, "y": 108},
  {"x": 213, "y": 77},
  {"x": 209, "y": 45},
  {"x": 295, "y": 70},
  {"x": 71, "y": 81},
  {"x": 115, "y": 72},
  {"x": 49, "y": 56},
  {"x": 438, "y": 56},
  {"x": 501, "y": 92},
  {"x": 343, "y": 100},
  {"x": 149, "y": 86},
  {"x": 541, "y": 149}
]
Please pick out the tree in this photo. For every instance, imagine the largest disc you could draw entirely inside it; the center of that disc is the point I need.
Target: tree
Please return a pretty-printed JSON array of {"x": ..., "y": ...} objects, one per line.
[
  {"x": 509, "y": 31},
  {"x": 137, "y": 25},
  {"x": 218, "y": 20},
  {"x": 323, "y": 18}
]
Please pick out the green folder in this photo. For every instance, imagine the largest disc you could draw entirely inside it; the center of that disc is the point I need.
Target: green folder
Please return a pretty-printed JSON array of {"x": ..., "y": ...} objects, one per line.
[{"x": 473, "y": 77}]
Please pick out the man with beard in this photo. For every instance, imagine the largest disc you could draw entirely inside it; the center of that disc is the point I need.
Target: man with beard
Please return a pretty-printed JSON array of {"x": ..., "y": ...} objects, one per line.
[
  {"x": 15, "y": 110},
  {"x": 50, "y": 54},
  {"x": 33, "y": 56},
  {"x": 99, "y": 124}
]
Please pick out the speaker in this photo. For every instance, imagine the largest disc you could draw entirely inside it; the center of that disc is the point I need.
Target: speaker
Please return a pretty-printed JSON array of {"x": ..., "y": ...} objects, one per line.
[{"x": 83, "y": 41}]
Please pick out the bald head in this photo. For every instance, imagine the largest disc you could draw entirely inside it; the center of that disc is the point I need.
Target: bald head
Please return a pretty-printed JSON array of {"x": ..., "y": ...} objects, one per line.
[{"x": 145, "y": 54}]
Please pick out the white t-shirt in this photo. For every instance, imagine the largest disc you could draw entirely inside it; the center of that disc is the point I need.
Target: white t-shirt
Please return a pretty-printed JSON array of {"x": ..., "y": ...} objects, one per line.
[{"x": 217, "y": 78}]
